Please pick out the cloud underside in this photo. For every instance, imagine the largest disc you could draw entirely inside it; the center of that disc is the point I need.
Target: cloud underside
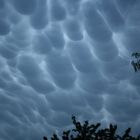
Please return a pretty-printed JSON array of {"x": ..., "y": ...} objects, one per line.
[{"x": 64, "y": 57}]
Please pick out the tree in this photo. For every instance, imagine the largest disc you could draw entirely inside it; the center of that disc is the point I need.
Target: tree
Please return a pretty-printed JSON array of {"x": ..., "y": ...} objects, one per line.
[
  {"x": 88, "y": 131},
  {"x": 136, "y": 63}
]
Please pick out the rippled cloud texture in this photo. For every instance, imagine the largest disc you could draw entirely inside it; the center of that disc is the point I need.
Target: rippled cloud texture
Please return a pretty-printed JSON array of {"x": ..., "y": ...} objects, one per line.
[{"x": 64, "y": 57}]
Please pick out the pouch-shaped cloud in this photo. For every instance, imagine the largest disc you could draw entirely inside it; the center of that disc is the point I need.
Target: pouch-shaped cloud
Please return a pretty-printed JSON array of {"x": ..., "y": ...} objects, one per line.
[
  {"x": 82, "y": 57},
  {"x": 63, "y": 121},
  {"x": 25, "y": 7},
  {"x": 20, "y": 35},
  {"x": 131, "y": 39},
  {"x": 6, "y": 52},
  {"x": 4, "y": 27},
  {"x": 73, "y": 29},
  {"x": 42, "y": 44},
  {"x": 95, "y": 101},
  {"x": 39, "y": 18},
  {"x": 73, "y": 6},
  {"x": 125, "y": 5},
  {"x": 61, "y": 70},
  {"x": 135, "y": 80},
  {"x": 73, "y": 103},
  {"x": 64, "y": 57},
  {"x": 112, "y": 15},
  {"x": 122, "y": 109},
  {"x": 56, "y": 37},
  {"x": 92, "y": 83},
  {"x": 29, "y": 67},
  {"x": 2, "y": 4},
  {"x": 59, "y": 103},
  {"x": 57, "y": 10},
  {"x": 133, "y": 18},
  {"x": 33, "y": 74},
  {"x": 94, "y": 23},
  {"x": 106, "y": 51},
  {"x": 114, "y": 69},
  {"x": 41, "y": 85}
]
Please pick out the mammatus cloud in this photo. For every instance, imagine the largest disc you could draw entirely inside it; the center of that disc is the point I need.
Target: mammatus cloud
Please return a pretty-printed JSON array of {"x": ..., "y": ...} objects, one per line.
[{"x": 64, "y": 57}]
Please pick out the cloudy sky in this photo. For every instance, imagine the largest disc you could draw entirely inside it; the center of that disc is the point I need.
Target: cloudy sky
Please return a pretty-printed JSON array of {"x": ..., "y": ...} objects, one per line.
[{"x": 64, "y": 57}]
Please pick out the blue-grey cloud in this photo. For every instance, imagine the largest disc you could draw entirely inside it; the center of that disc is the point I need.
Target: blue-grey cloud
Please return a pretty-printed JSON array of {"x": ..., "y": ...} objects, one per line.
[
  {"x": 106, "y": 51},
  {"x": 4, "y": 27},
  {"x": 82, "y": 57},
  {"x": 25, "y": 7},
  {"x": 95, "y": 25},
  {"x": 61, "y": 70},
  {"x": 73, "y": 29},
  {"x": 56, "y": 37},
  {"x": 39, "y": 19},
  {"x": 58, "y": 11},
  {"x": 64, "y": 57},
  {"x": 42, "y": 44},
  {"x": 2, "y": 4},
  {"x": 112, "y": 15}
]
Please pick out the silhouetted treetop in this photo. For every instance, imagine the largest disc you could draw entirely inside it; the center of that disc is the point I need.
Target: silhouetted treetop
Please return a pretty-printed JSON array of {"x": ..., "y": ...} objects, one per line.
[{"x": 88, "y": 131}]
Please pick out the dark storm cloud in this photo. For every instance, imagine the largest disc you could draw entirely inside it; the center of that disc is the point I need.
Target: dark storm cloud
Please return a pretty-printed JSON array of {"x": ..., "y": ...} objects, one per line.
[
  {"x": 106, "y": 51},
  {"x": 4, "y": 27},
  {"x": 125, "y": 6},
  {"x": 39, "y": 19},
  {"x": 56, "y": 37},
  {"x": 57, "y": 10},
  {"x": 82, "y": 57},
  {"x": 7, "y": 52},
  {"x": 42, "y": 44},
  {"x": 73, "y": 6},
  {"x": 2, "y": 4},
  {"x": 19, "y": 36},
  {"x": 73, "y": 29},
  {"x": 123, "y": 108},
  {"x": 117, "y": 69},
  {"x": 64, "y": 57},
  {"x": 112, "y": 15},
  {"x": 92, "y": 83},
  {"x": 33, "y": 74},
  {"x": 95, "y": 25},
  {"x": 25, "y": 7},
  {"x": 61, "y": 70},
  {"x": 131, "y": 40}
]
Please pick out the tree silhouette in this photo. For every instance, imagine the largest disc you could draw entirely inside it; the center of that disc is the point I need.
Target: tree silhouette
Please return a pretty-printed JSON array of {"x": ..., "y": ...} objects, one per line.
[
  {"x": 136, "y": 63},
  {"x": 88, "y": 131}
]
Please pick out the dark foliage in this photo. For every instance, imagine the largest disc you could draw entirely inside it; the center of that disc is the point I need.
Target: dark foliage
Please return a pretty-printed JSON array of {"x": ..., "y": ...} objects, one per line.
[
  {"x": 88, "y": 131},
  {"x": 136, "y": 63}
]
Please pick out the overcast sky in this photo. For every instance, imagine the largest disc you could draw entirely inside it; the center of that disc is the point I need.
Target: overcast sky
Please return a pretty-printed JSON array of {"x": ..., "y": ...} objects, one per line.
[{"x": 64, "y": 57}]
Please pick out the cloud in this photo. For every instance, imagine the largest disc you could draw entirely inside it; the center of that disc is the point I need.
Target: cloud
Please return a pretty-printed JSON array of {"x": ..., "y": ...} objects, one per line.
[
  {"x": 4, "y": 27},
  {"x": 39, "y": 19},
  {"x": 25, "y": 7},
  {"x": 64, "y": 57},
  {"x": 2, "y": 4},
  {"x": 73, "y": 29},
  {"x": 95, "y": 25},
  {"x": 130, "y": 38},
  {"x": 61, "y": 70},
  {"x": 42, "y": 44},
  {"x": 112, "y": 15},
  {"x": 56, "y": 37},
  {"x": 82, "y": 57},
  {"x": 57, "y": 10}
]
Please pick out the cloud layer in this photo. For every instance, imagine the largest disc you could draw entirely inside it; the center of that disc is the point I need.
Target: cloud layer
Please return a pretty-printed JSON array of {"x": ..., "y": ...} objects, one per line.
[{"x": 64, "y": 57}]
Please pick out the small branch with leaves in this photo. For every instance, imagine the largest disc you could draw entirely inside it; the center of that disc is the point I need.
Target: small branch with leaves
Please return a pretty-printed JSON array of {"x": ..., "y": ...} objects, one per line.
[{"x": 136, "y": 63}]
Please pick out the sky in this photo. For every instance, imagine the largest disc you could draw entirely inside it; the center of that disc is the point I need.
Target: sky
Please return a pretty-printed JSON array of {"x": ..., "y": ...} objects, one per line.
[{"x": 64, "y": 57}]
